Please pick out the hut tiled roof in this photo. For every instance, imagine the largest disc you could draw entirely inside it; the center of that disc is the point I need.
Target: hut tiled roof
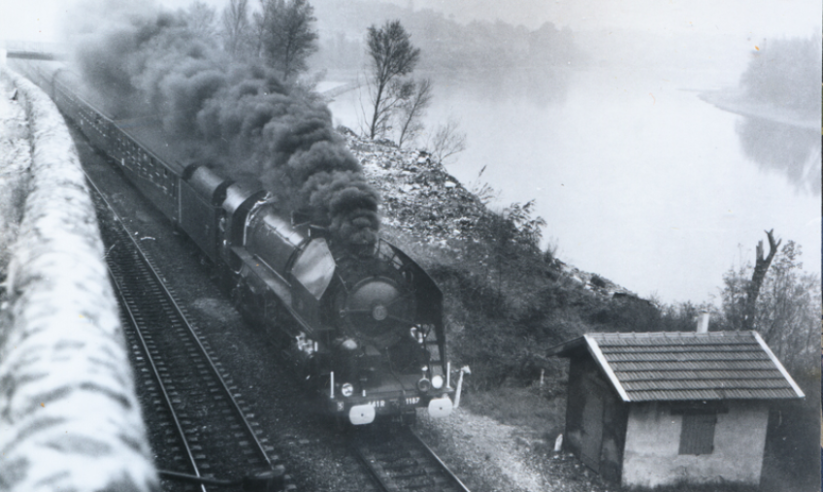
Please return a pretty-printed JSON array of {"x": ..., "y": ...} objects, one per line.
[{"x": 671, "y": 366}]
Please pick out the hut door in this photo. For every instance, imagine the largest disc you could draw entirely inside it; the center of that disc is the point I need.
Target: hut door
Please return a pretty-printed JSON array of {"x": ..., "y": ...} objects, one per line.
[{"x": 592, "y": 430}]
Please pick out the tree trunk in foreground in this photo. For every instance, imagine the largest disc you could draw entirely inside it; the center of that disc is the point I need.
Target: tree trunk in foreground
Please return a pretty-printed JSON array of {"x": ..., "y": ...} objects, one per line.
[{"x": 760, "y": 268}]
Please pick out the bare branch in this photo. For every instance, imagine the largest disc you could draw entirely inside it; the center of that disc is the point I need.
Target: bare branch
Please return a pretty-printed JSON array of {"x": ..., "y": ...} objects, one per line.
[
  {"x": 236, "y": 30},
  {"x": 447, "y": 141},
  {"x": 411, "y": 110},
  {"x": 200, "y": 18}
]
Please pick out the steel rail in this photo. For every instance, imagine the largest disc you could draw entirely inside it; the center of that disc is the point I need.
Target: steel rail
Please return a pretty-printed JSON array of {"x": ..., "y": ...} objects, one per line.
[
  {"x": 181, "y": 312},
  {"x": 144, "y": 268},
  {"x": 372, "y": 472},
  {"x": 445, "y": 468},
  {"x": 426, "y": 464},
  {"x": 158, "y": 378}
]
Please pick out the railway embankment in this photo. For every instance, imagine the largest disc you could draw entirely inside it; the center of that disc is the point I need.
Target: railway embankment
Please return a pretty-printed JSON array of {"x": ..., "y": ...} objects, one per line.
[
  {"x": 500, "y": 288},
  {"x": 505, "y": 302},
  {"x": 69, "y": 417}
]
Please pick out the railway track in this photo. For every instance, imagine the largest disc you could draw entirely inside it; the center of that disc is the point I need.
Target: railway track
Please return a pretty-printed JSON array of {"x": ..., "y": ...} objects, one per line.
[
  {"x": 404, "y": 462},
  {"x": 200, "y": 424}
]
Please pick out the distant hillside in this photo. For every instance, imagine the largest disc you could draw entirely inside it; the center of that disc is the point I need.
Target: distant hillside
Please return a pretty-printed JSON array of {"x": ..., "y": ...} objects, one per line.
[
  {"x": 445, "y": 43},
  {"x": 781, "y": 83},
  {"x": 646, "y": 50}
]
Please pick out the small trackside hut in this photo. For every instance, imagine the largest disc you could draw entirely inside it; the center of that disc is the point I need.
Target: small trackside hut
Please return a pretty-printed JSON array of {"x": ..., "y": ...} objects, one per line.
[{"x": 650, "y": 409}]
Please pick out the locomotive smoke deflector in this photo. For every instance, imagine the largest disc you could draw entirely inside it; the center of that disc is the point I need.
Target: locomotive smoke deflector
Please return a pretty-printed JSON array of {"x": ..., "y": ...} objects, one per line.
[{"x": 314, "y": 268}]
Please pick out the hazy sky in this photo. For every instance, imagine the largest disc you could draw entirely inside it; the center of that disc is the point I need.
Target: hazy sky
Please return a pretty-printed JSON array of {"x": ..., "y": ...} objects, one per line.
[
  {"x": 39, "y": 19},
  {"x": 767, "y": 17}
]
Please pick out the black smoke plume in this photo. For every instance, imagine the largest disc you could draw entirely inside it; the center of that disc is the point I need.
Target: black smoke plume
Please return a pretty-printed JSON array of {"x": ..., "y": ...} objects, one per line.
[{"x": 238, "y": 116}]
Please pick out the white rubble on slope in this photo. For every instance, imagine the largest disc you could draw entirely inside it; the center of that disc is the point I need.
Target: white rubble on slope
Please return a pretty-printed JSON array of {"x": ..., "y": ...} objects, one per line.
[{"x": 421, "y": 197}]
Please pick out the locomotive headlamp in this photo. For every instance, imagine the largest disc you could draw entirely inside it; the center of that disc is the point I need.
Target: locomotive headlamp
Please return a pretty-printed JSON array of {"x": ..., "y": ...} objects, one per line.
[
  {"x": 437, "y": 382},
  {"x": 380, "y": 312},
  {"x": 347, "y": 389},
  {"x": 424, "y": 384},
  {"x": 349, "y": 344}
]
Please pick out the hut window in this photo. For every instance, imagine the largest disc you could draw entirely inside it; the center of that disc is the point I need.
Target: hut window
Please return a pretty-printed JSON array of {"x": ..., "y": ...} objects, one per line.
[{"x": 697, "y": 433}]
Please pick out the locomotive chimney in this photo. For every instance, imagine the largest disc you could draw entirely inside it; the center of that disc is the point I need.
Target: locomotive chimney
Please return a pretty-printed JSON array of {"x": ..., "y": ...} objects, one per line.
[{"x": 703, "y": 322}]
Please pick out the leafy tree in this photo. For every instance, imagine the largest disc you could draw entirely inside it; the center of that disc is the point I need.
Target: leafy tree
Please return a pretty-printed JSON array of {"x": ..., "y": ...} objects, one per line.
[
  {"x": 392, "y": 56},
  {"x": 788, "y": 309},
  {"x": 513, "y": 241},
  {"x": 286, "y": 36},
  {"x": 789, "y": 312},
  {"x": 785, "y": 72},
  {"x": 529, "y": 230},
  {"x": 411, "y": 109},
  {"x": 236, "y": 28}
]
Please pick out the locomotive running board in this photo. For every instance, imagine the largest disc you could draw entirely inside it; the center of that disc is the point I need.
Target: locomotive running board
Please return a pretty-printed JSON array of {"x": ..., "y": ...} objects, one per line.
[
  {"x": 277, "y": 284},
  {"x": 258, "y": 270}
]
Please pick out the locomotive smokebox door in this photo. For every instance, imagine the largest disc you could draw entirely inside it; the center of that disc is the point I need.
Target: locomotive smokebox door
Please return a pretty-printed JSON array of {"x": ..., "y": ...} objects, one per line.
[{"x": 314, "y": 268}]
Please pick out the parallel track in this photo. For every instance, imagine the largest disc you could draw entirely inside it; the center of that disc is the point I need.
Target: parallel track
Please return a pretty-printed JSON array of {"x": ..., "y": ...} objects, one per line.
[
  {"x": 204, "y": 427},
  {"x": 404, "y": 463}
]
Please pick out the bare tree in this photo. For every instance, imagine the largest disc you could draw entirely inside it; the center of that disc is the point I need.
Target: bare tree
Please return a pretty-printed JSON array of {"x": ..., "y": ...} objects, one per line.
[
  {"x": 286, "y": 36},
  {"x": 446, "y": 141},
  {"x": 410, "y": 111},
  {"x": 200, "y": 19},
  {"x": 236, "y": 27},
  {"x": 392, "y": 57}
]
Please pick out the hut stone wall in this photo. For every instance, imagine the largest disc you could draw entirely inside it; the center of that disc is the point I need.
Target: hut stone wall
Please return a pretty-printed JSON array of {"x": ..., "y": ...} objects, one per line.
[
  {"x": 658, "y": 448},
  {"x": 595, "y": 419}
]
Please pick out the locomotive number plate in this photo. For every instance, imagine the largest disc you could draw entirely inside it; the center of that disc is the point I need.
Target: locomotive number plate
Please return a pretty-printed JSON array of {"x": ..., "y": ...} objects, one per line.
[
  {"x": 378, "y": 403},
  {"x": 413, "y": 401}
]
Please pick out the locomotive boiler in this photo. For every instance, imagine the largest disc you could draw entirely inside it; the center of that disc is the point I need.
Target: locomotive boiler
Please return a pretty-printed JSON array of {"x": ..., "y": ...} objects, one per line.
[{"x": 363, "y": 329}]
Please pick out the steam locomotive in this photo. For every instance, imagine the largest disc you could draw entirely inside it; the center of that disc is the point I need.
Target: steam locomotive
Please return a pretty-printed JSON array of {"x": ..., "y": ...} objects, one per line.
[{"x": 364, "y": 332}]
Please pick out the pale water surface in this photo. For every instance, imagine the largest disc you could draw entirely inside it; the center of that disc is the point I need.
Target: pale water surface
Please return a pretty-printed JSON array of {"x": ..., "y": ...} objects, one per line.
[{"x": 638, "y": 179}]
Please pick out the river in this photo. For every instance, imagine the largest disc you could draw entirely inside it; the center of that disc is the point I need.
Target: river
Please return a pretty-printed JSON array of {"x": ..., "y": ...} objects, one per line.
[{"x": 638, "y": 179}]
